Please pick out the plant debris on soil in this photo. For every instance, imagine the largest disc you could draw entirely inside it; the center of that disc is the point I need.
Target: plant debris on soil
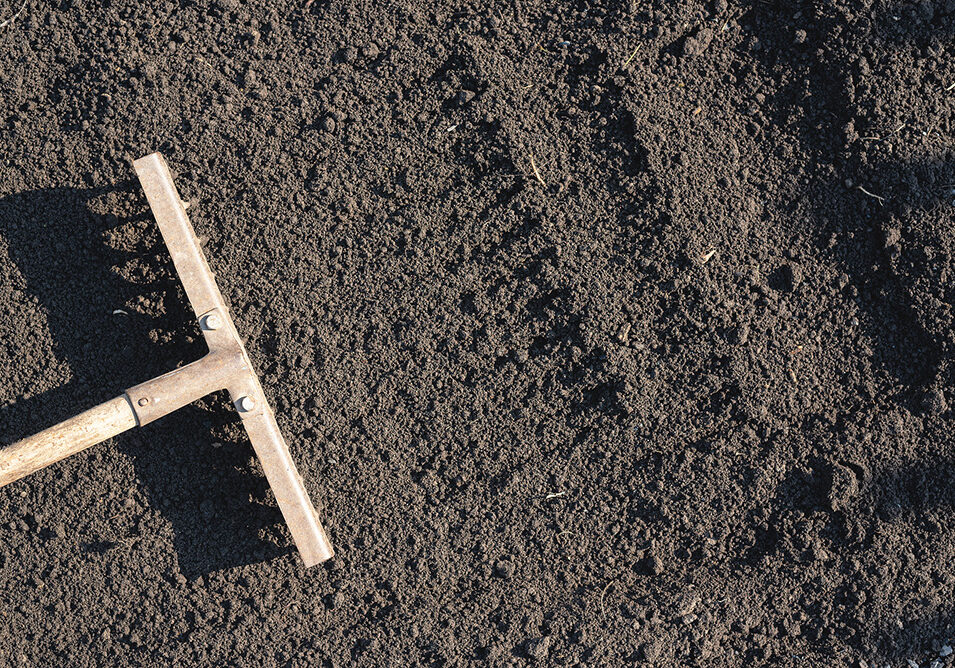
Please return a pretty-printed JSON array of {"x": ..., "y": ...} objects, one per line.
[{"x": 603, "y": 333}]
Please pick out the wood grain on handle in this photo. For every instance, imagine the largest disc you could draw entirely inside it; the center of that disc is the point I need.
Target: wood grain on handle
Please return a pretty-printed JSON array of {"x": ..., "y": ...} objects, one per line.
[{"x": 67, "y": 438}]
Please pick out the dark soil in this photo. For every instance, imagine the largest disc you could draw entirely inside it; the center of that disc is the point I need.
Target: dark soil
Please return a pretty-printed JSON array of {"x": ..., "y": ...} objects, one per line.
[{"x": 604, "y": 333}]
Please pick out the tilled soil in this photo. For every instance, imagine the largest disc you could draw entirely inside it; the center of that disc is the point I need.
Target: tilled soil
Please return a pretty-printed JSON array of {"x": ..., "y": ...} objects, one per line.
[{"x": 604, "y": 333}]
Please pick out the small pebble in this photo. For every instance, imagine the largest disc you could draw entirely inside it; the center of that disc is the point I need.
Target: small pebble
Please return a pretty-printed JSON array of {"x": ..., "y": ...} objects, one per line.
[
  {"x": 349, "y": 54},
  {"x": 465, "y": 96},
  {"x": 945, "y": 651}
]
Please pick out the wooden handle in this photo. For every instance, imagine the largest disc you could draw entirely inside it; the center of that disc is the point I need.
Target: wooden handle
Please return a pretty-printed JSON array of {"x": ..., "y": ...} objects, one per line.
[{"x": 67, "y": 438}]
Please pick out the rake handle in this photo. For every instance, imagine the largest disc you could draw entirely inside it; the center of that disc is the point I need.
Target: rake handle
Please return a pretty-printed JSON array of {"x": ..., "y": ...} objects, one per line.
[{"x": 94, "y": 426}]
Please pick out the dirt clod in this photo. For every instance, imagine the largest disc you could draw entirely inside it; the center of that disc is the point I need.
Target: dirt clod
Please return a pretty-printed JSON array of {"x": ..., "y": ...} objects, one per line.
[
  {"x": 538, "y": 649},
  {"x": 370, "y": 51},
  {"x": 696, "y": 44},
  {"x": 843, "y": 488},
  {"x": 934, "y": 402},
  {"x": 505, "y": 569}
]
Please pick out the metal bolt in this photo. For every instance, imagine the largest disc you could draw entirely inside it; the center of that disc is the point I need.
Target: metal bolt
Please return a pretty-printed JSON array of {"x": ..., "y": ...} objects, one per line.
[
  {"x": 245, "y": 404},
  {"x": 212, "y": 322},
  {"x": 143, "y": 401}
]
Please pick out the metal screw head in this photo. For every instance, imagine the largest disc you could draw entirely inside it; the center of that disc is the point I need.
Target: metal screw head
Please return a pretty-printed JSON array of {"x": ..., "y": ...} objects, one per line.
[
  {"x": 212, "y": 322},
  {"x": 143, "y": 401},
  {"x": 245, "y": 404}
]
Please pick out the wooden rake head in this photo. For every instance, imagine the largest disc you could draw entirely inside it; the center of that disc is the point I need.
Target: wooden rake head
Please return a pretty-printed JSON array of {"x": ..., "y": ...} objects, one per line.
[{"x": 226, "y": 366}]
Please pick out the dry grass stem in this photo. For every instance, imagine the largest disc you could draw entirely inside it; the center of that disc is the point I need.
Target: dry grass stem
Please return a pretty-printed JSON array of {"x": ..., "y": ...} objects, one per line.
[
  {"x": 881, "y": 199},
  {"x": 536, "y": 172}
]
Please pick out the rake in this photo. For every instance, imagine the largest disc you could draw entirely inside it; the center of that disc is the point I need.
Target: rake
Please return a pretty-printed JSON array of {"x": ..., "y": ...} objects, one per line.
[{"x": 225, "y": 367}]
